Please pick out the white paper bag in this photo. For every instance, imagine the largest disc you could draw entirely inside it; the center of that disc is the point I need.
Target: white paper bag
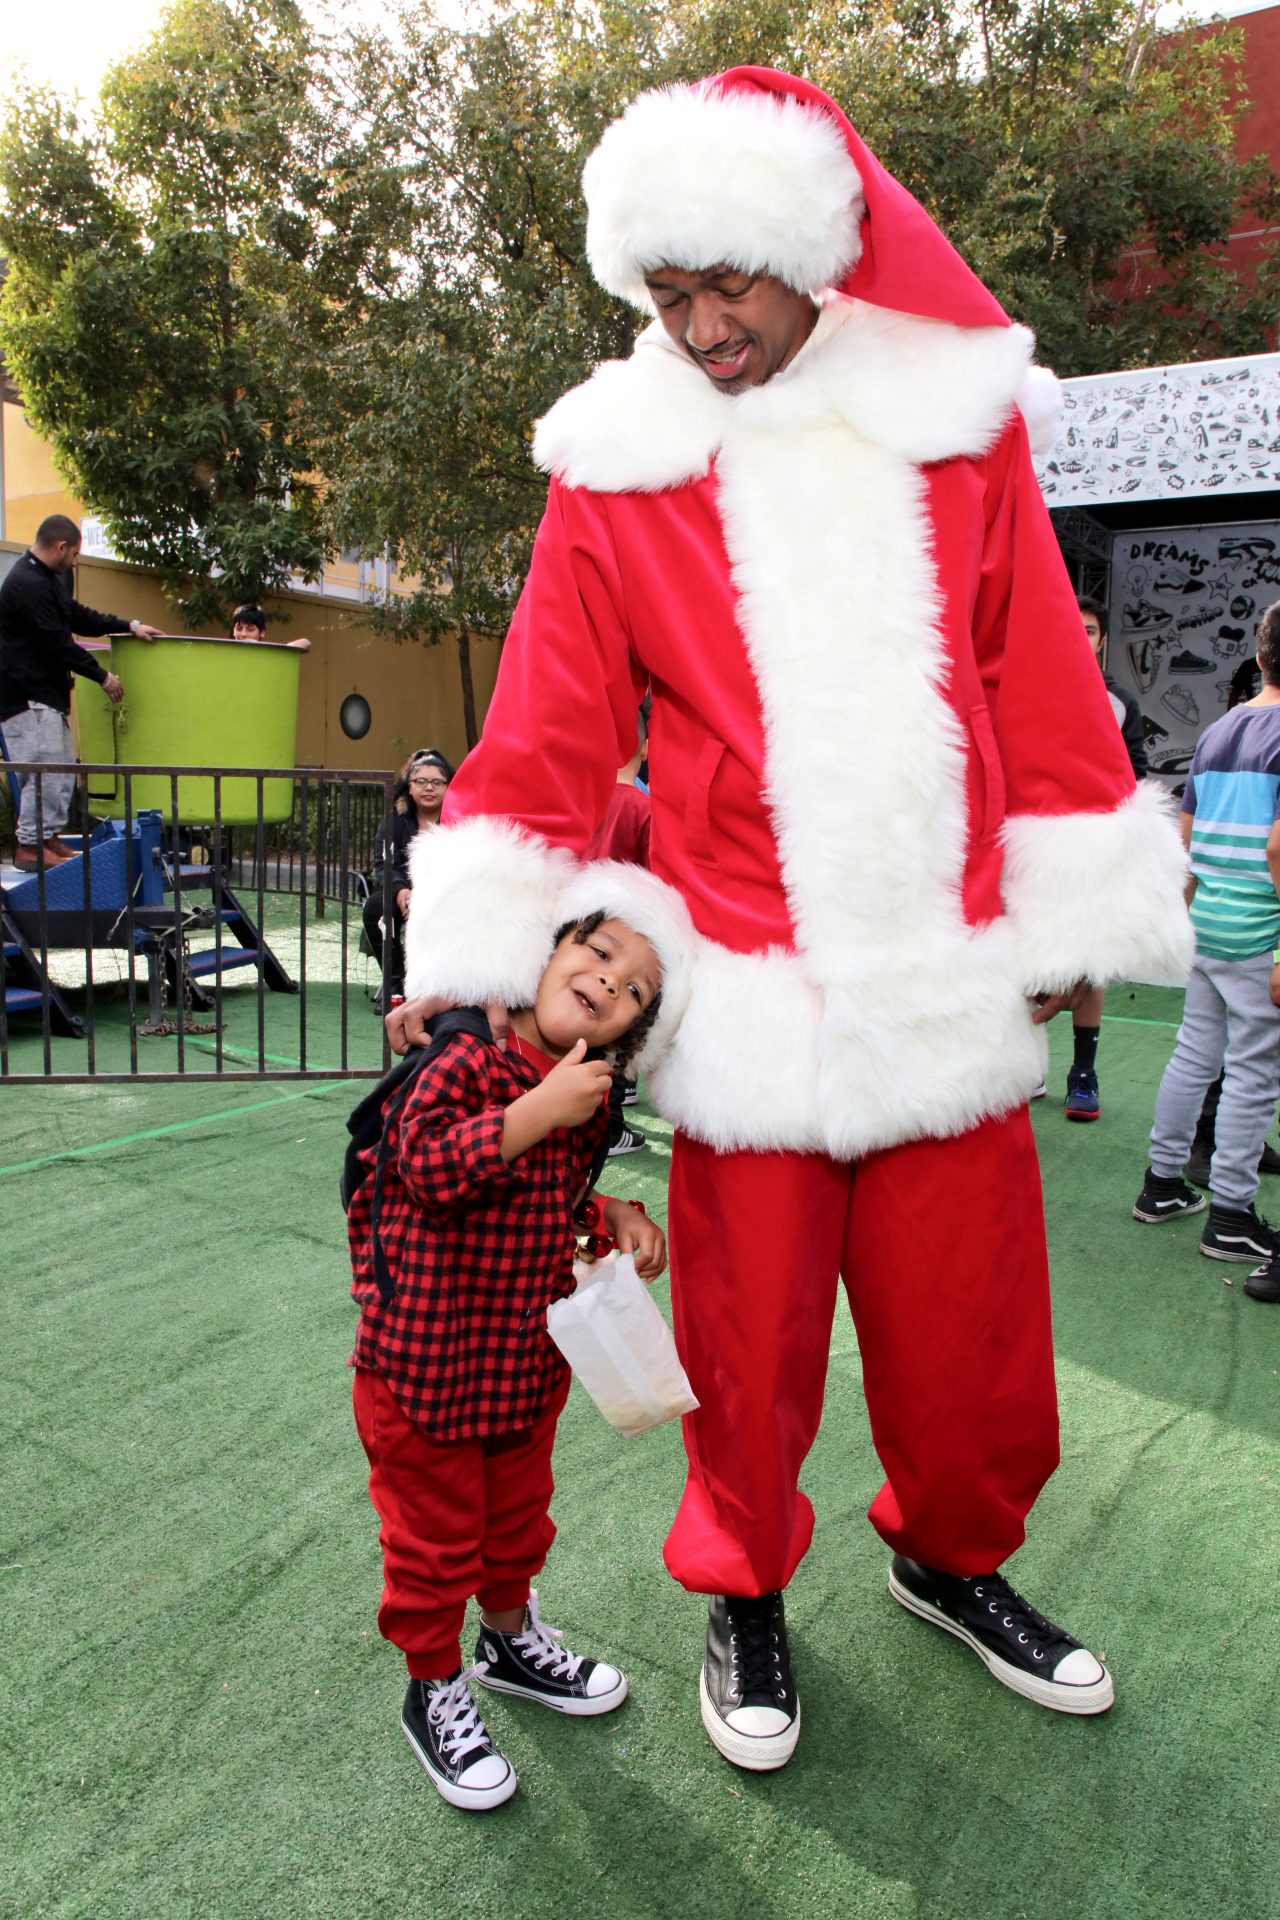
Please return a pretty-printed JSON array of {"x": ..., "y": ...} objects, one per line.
[{"x": 619, "y": 1346}]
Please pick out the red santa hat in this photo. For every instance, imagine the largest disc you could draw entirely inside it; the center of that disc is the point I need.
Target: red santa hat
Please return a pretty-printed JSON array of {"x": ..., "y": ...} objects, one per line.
[{"x": 761, "y": 171}]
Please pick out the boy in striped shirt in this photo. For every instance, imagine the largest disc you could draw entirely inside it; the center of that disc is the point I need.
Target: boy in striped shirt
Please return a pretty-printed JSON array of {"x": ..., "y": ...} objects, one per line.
[{"x": 1231, "y": 1017}]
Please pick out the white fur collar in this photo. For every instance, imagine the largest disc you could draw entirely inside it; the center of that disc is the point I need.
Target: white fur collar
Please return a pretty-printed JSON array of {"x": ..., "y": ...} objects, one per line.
[{"x": 919, "y": 388}]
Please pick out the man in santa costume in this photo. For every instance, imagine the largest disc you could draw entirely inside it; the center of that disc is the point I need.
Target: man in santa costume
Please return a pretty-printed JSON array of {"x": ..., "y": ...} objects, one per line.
[{"x": 888, "y": 784}]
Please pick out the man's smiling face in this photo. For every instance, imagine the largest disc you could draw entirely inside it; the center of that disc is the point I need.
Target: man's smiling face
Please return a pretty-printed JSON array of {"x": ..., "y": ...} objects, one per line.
[{"x": 739, "y": 328}]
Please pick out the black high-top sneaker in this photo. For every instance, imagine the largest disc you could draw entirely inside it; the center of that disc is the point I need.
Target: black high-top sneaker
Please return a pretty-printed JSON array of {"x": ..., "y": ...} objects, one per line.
[
  {"x": 1166, "y": 1197},
  {"x": 749, "y": 1704},
  {"x": 1264, "y": 1282},
  {"x": 1022, "y": 1649},
  {"x": 533, "y": 1665},
  {"x": 1237, "y": 1233},
  {"x": 442, "y": 1726}
]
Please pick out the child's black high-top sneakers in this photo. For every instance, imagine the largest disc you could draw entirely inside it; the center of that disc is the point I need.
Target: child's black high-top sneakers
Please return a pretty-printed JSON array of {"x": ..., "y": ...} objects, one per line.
[
  {"x": 442, "y": 1726},
  {"x": 1166, "y": 1197},
  {"x": 533, "y": 1665},
  {"x": 1237, "y": 1233}
]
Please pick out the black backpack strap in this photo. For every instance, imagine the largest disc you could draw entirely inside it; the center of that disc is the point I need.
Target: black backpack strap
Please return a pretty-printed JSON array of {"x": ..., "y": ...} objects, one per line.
[{"x": 443, "y": 1028}]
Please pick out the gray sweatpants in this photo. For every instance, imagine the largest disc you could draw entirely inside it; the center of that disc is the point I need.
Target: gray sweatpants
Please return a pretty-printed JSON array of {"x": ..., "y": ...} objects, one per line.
[
  {"x": 1229, "y": 1026},
  {"x": 41, "y": 733}
]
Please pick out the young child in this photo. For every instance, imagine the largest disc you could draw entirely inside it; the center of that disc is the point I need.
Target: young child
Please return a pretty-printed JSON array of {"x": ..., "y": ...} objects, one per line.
[
  {"x": 458, "y": 1385},
  {"x": 1230, "y": 1019}
]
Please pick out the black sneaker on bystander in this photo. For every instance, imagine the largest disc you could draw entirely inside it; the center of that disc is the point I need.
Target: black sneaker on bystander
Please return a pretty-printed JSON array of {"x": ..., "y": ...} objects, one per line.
[
  {"x": 1264, "y": 1282},
  {"x": 1237, "y": 1233},
  {"x": 1166, "y": 1197}
]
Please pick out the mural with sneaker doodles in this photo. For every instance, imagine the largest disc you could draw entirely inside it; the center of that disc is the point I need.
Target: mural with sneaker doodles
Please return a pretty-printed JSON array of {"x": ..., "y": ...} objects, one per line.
[
  {"x": 1185, "y": 603},
  {"x": 1166, "y": 433}
]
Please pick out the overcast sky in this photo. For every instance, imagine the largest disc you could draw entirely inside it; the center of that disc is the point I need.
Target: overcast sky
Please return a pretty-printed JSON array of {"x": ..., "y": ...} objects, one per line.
[
  {"x": 70, "y": 47},
  {"x": 91, "y": 35}
]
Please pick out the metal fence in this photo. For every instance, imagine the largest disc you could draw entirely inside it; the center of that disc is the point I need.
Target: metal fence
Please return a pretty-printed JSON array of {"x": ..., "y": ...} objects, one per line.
[{"x": 203, "y": 924}]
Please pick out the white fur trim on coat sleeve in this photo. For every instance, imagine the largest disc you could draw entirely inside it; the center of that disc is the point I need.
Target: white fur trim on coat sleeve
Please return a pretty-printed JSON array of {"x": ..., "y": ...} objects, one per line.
[
  {"x": 484, "y": 912},
  {"x": 1099, "y": 896},
  {"x": 624, "y": 892},
  {"x": 694, "y": 178}
]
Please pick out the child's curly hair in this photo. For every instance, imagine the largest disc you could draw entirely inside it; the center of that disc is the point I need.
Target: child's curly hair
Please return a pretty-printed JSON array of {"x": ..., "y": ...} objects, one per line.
[{"x": 633, "y": 1040}]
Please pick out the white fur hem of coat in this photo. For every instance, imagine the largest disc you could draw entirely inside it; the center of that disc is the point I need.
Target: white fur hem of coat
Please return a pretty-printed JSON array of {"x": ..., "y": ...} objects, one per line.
[
  {"x": 1097, "y": 896},
  {"x": 748, "y": 1053},
  {"x": 765, "y": 1061}
]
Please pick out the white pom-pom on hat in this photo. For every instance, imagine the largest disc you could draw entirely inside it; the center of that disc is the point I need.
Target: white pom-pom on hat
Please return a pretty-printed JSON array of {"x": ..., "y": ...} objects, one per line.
[{"x": 696, "y": 177}]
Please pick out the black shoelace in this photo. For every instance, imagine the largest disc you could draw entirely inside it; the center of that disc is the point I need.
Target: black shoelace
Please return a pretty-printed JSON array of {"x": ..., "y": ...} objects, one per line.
[
  {"x": 754, "y": 1639},
  {"x": 1007, "y": 1607}
]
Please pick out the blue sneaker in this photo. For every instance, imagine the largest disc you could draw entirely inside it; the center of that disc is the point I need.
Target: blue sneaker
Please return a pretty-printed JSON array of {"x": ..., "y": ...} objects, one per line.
[{"x": 1082, "y": 1102}]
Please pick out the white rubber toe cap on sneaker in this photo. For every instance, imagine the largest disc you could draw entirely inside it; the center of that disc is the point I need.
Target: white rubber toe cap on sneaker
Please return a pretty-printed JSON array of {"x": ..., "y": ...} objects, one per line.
[
  {"x": 487, "y": 1776},
  {"x": 758, "y": 1723},
  {"x": 606, "y": 1681},
  {"x": 755, "y": 1738},
  {"x": 1079, "y": 1669}
]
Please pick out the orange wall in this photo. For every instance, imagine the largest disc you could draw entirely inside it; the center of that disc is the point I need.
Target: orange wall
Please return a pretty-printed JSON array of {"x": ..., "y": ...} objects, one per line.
[{"x": 32, "y": 487}]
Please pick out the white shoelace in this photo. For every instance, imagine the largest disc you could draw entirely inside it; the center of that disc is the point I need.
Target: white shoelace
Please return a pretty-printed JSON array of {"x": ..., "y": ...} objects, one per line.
[
  {"x": 542, "y": 1645},
  {"x": 452, "y": 1711}
]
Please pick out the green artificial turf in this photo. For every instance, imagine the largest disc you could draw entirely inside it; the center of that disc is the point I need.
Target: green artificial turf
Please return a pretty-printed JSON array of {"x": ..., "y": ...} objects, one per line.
[{"x": 199, "y": 1718}]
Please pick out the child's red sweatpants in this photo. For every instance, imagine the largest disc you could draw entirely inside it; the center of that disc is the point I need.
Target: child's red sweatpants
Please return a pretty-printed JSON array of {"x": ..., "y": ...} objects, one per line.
[
  {"x": 941, "y": 1245},
  {"x": 459, "y": 1518}
]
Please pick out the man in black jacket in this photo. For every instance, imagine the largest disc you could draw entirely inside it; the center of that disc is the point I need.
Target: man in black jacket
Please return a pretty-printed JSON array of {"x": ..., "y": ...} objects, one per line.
[{"x": 38, "y": 616}]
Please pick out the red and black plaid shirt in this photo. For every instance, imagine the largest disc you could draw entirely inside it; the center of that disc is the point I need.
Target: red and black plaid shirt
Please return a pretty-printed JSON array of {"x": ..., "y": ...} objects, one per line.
[{"x": 477, "y": 1248}]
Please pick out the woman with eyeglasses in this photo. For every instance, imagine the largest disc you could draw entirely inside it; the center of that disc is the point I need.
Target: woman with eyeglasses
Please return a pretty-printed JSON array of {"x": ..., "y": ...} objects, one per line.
[{"x": 416, "y": 801}]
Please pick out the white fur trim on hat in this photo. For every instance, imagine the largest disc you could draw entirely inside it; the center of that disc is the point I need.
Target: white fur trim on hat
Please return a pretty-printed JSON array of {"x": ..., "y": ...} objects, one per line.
[
  {"x": 651, "y": 907},
  {"x": 484, "y": 913},
  {"x": 695, "y": 178}
]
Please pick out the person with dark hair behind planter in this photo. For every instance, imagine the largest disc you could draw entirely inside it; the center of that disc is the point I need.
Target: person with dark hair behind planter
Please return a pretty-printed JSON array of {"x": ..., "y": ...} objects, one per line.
[
  {"x": 250, "y": 623},
  {"x": 416, "y": 801}
]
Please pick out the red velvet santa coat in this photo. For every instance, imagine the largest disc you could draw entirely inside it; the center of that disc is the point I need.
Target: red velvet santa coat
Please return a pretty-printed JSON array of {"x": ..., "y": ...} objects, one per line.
[{"x": 885, "y": 774}]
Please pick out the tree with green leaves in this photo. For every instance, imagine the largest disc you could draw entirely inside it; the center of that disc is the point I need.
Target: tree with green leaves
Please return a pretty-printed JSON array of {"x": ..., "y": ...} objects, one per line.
[
  {"x": 433, "y": 400},
  {"x": 176, "y": 274},
  {"x": 1056, "y": 141}
]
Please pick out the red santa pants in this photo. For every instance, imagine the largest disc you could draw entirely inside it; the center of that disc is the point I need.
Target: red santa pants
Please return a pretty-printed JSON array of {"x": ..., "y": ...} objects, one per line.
[
  {"x": 459, "y": 1517},
  {"x": 941, "y": 1245}
]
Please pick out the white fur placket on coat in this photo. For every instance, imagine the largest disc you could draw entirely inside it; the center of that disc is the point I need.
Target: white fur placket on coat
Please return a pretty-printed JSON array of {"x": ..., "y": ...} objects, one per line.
[{"x": 900, "y": 1019}]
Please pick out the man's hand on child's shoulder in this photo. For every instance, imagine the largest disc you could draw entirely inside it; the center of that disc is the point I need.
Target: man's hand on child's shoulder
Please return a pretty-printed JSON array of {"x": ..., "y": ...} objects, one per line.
[
  {"x": 635, "y": 1233},
  {"x": 407, "y": 1024}
]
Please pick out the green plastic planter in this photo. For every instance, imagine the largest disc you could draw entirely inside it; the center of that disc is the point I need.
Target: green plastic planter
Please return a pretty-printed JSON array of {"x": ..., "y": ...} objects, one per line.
[{"x": 206, "y": 703}]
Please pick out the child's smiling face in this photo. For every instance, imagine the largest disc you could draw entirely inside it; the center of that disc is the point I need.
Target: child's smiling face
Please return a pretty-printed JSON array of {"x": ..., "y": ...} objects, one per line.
[{"x": 595, "y": 990}]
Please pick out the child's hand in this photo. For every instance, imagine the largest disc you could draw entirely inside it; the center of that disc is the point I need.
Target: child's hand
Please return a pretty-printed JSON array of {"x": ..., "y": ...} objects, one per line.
[
  {"x": 574, "y": 1088},
  {"x": 1275, "y": 986},
  {"x": 636, "y": 1234}
]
